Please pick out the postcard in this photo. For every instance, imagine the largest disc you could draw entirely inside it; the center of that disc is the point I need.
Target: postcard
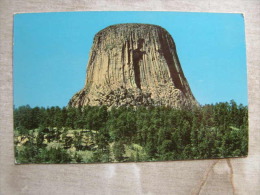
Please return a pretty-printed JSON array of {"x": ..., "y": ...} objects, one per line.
[{"x": 97, "y": 87}]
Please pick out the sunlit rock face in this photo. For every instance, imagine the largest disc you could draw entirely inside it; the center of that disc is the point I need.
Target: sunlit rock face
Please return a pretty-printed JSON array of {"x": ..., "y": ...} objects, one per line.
[{"x": 132, "y": 65}]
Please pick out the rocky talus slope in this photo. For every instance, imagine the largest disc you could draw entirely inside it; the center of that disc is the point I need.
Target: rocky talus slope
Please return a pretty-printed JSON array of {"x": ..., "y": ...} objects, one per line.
[{"x": 134, "y": 64}]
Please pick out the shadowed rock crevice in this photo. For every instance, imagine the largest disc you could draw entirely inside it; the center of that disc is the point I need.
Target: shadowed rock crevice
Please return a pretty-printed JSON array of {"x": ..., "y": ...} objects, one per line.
[
  {"x": 137, "y": 56},
  {"x": 166, "y": 52},
  {"x": 132, "y": 65}
]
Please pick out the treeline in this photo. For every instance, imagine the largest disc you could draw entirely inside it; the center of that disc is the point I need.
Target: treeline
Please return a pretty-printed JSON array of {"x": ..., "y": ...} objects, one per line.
[{"x": 209, "y": 131}]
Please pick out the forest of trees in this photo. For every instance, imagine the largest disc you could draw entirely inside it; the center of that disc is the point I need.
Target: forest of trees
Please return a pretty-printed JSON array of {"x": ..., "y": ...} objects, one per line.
[{"x": 97, "y": 134}]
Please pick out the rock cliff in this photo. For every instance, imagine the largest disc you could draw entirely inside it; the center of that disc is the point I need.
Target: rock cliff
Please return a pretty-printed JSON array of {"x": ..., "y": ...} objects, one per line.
[{"x": 134, "y": 64}]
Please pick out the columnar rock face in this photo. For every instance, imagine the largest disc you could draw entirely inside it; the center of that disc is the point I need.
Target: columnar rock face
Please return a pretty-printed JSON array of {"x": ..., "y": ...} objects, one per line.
[{"x": 131, "y": 65}]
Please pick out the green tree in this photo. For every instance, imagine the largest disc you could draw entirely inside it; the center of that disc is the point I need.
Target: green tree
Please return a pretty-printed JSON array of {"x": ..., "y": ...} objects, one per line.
[
  {"x": 119, "y": 150},
  {"x": 71, "y": 115}
]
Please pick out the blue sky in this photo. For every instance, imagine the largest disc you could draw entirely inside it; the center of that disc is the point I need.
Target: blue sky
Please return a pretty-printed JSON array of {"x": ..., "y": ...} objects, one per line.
[{"x": 51, "y": 53}]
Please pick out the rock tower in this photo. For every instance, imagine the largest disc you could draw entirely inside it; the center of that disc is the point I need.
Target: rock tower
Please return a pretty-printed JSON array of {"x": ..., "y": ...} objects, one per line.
[{"x": 132, "y": 65}]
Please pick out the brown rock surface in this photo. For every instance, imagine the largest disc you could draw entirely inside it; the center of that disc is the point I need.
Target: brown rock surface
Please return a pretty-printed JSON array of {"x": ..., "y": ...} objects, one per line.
[{"x": 134, "y": 64}]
